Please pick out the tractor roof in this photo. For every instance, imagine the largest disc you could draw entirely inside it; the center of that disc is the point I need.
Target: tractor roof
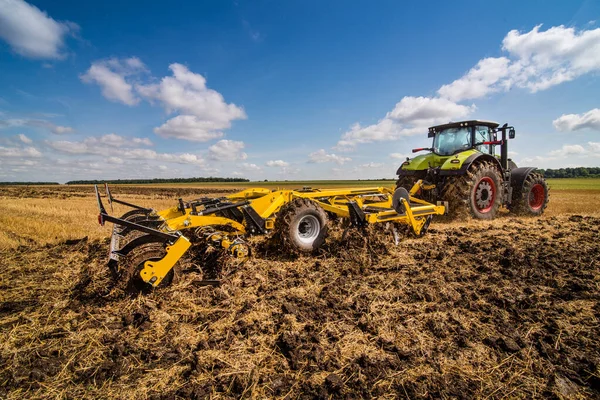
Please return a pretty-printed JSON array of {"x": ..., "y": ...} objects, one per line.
[{"x": 459, "y": 124}]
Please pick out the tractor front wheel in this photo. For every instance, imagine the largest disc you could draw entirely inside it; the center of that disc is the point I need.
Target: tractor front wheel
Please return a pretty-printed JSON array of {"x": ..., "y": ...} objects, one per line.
[
  {"x": 532, "y": 198},
  {"x": 478, "y": 192}
]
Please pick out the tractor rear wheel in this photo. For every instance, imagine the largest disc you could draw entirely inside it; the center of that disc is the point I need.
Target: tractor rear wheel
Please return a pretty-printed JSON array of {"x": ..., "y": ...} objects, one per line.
[
  {"x": 301, "y": 226},
  {"x": 532, "y": 198},
  {"x": 478, "y": 192},
  {"x": 406, "y": 182}
]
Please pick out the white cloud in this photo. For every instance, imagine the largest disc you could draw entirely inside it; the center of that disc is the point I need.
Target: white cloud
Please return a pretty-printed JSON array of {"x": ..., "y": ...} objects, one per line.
[
  {"x": 19, "y": 152},
  {"x": 370, "y": 165},
  {"x": 204, "y": 111},
  {"x": 70, "y": 147},
  {"x": 479, "y": 81},
  {"x": 190, "y": 127},
  {"x": 399, "y": 156},
  {"x": 574, "y": 122},
  {"x": 537, "y": 60},
  {"x": 30, "y": 32},
  {"x": 115, "y": 140},
  {"x": 568, "y": 149},
  {"x": 321, "y": 156},
  {"x": 114, "y": 160},
  {"x": 61, "y": 130},
  {"x": 410, "y": 116},
  {"x": 110, "y": 76},
  {"x": 37, "y": 123},
  {"x": 24, "y": 138},
  {"x": 251, "y": 167},
  {"x": 227, "y": 150},
  {"x": 119, "y": 147},
  {"x": 595, "y": 146},
  {"x": 142, "y": 141},
  {"x": 277, "y": 163}
]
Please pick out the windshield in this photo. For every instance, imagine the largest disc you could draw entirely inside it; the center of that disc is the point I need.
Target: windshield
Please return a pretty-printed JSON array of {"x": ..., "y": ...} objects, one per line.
[{"x": 452, "y": 140}]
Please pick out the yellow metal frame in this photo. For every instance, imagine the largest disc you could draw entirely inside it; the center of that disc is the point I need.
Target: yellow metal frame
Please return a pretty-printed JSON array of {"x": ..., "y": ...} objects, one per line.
[
  {"x": 155, "y": 271},
  {"x": 267, "y": 203}
]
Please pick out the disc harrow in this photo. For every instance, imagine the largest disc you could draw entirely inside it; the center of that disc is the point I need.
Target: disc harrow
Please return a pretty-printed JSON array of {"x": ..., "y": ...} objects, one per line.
[{"x": 299, "y": 218}]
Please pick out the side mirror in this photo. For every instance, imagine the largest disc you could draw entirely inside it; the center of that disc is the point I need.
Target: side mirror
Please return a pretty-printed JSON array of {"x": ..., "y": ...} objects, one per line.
[{"x": 511, "y": 133}]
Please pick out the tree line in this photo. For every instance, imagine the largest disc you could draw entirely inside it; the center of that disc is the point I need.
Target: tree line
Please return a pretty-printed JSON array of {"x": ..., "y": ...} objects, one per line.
[
  {"x": 157, "y": 180},
  {"x": 578, "y": 172}
]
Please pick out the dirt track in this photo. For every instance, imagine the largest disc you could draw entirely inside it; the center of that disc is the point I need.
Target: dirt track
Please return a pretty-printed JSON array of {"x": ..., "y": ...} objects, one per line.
[{"x": 508, "y": 308}]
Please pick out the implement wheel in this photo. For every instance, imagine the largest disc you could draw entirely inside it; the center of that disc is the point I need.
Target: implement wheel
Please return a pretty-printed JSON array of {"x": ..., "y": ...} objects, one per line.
[
  {"x": 130, "y": 279},
  {"x": 532, "y": 198},
  {"x": 478, "y": 192},
  {"x": 301, "y": 226}
]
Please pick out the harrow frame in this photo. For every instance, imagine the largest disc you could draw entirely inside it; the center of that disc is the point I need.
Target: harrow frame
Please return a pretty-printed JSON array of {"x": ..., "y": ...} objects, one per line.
[{"x": 225, "y": 221}]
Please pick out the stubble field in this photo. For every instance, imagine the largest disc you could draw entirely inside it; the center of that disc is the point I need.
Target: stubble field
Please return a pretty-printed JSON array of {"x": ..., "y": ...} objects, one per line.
[{"x": 502, "y": 309}]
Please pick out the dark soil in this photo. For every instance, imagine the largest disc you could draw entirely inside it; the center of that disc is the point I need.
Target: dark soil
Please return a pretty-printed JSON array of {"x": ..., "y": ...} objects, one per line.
[{"x": 508, "y": 308}]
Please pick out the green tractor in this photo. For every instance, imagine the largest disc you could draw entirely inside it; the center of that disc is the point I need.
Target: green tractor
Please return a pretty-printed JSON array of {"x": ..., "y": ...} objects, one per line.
[{"x": 462, "y": 168}]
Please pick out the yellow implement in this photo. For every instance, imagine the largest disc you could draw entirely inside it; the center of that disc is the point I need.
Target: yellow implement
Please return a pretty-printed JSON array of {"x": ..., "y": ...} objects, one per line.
[{"x": 300, "y": 217}]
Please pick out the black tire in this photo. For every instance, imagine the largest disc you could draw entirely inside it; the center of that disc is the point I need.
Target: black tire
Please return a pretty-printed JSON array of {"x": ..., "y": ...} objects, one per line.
[
  {"x": 407, "y": 182},
  {"x": 301, "y": 226},
  {"x": 477, "y": 193},
  {"x": 532, "y": 198},
  {"x": 130, "y": 279}
]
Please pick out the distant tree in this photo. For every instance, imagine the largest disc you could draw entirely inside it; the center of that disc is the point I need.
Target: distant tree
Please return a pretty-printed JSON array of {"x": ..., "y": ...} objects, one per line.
[{"x": 579, "y": 172}]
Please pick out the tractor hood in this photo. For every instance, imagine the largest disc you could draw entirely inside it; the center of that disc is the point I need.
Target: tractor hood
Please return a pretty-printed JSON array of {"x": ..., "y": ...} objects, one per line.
[{"x": 432, "y": 160}]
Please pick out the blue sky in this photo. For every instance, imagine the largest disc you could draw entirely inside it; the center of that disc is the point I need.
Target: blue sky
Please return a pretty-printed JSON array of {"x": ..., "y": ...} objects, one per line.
[{"x": 287, "y": 89}]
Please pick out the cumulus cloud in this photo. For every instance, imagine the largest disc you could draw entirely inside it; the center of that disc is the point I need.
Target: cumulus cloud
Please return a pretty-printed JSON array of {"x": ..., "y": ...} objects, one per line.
[
  {"x": 61, "y": 130},
  {"x": 106, "y": 144},
  {"x": 30, "y": 32},
  {"x": 251, "y": 167},
  {"x": 98, "y": 146},
  {"x": 595, "y": 146},
  {"x": 110, "y": 76},
  {"x": 567, "y": 150},
  {"x": 24, "y": 138},
  {"x": 227, "y": 150},
  {"x": 26, "y": 152},
  {"x": 203, "y": 113},
  {"x": 537, "y": 60},
  {"x": 115, "y": 140},
  {"x": 37, "y": 123},
  {"x": 371, "y": 165},
  {"x": 479, "y": 81},
  {"x": 190, "y": 127},
  {"x": 277, "y": 163},
  {"x": 574, "y": 122},
  {"x": 412, "y": 115},
  {"x": 321, "y": 156}
]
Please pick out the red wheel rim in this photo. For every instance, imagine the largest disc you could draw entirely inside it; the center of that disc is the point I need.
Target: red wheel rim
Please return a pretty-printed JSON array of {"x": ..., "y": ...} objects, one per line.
[
  {"x": 536, "y": 197},
  {"x": 485, "y": 194}
]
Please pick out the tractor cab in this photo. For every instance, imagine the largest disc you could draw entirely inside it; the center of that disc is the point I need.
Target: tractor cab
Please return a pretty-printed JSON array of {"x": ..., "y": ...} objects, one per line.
[{"x": 450, "y": 139}]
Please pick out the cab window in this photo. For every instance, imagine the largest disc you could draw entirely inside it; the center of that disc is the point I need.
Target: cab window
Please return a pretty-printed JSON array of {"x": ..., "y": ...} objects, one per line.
[{"x": 482, "y": 134}]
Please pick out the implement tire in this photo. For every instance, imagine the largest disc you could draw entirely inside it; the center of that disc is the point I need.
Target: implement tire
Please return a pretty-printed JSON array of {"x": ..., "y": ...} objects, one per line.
[
  {"x": 532, "y": 198},
  {"x": 131, "y": 281},
  {"x": 301, "y": 226},
  {"x": 477, "y": 193}
]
